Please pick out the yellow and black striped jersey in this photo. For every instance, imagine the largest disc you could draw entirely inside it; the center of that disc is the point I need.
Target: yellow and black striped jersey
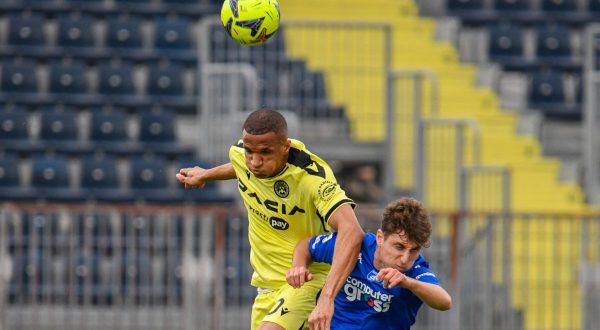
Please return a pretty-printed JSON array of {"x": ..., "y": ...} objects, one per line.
[{"x": 283, "y": 209}]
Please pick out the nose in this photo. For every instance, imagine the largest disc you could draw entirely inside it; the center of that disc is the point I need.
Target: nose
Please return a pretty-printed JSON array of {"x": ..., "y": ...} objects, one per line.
[
  {"x": 255, "y": 161},
  {"x": 404, "y": 258}
]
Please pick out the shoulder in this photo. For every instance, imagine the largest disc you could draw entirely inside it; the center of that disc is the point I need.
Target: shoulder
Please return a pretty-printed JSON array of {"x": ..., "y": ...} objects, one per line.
[{"x": 305, "y": 160}]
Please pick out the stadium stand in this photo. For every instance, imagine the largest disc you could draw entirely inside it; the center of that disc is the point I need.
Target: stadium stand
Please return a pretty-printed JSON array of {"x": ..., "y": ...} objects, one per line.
[{"x": 534, "y": 178}]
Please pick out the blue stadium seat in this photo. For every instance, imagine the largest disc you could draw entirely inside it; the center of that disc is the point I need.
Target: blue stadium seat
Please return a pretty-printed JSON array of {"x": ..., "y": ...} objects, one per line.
[
  {"x": 470, "y": 11},
  {"x": 124, "y": 38},
  {"x": 68, "y": 85},
  {"x": 148, "y": 181},
  {"x": 554, "y": 48},
  {"x": 166, "y": 87},
  {"x": 10, "y": 179},
  {"x": 116, "y": 81},
  {"x": 50, "y": 179},
  {"x": 109, "y": 134},
  {"x": 558, "y": 5},
  {"x": 157, "y": 133},
  {"x": 172, "y": 39},
  {"x": 94, "y": 231},
  {"x": 20, "y": 83},
  {"x": 506, "y": 46},
  {"x": 14, "y": 132},
  {"x": 547, "y": 94},
  {"x": 59, "y": 132},
  {"x": 563, "y": 11},
  {"x": 26, "y": 30},
  {"x": 75, "y": 31},
  {"x": 99, "y": 180},
  {"x": 76, "y": 36},
  {"x": 517, "y": 10}
]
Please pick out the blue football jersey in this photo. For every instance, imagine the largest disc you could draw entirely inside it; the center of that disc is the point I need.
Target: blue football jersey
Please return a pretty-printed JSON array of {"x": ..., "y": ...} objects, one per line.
[{"x": 363, "y": 303}]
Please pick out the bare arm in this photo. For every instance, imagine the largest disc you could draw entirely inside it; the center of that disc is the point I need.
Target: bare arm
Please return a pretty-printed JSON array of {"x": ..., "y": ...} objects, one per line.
[
  {"x": 197, "y": 177},
  {"x": 433, "y": 295},
  {"x": 345, "y": 255},
  {"x": 299, "y": 273}
]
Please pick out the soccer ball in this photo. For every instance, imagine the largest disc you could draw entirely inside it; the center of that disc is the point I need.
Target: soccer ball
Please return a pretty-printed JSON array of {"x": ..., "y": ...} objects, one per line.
[{"x": 250, "y": 22}]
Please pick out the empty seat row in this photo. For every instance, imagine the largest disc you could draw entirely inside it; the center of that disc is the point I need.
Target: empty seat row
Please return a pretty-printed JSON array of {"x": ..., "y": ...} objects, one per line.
[
  {"x": 74, "y": 83},
  {"x": 110, "y": 132},
  {"x": 82, "y": 36},
  {"x": 553, "y": 46},
  {"x": 574, "y": 12},
  {"x": 190, "y": 8},
  {"x": 143, "y": 179}
]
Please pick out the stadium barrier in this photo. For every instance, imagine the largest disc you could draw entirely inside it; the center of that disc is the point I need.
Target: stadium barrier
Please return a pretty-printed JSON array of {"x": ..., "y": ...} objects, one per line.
[
  {"x": 154, "y": 267},
  {"x": 591, "y": 85}
]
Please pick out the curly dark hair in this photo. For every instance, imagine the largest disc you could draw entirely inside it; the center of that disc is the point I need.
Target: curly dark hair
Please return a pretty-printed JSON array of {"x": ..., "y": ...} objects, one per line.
[
  {"x": 266, "y": 120},
  {"x": 410, "y": 216}
]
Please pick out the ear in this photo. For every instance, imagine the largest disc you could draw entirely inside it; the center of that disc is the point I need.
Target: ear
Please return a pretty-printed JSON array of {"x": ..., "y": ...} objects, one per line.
[
  {"x": 287, "y": 145},
  {"x": 379, "y": 237}
]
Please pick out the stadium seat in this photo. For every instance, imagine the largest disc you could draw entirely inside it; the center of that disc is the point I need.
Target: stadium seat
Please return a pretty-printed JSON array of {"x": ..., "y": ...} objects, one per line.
[
  {"x": 59, "y": 132},
  {"x": 148, "y": 181},
  {"x": 506, "y": 46},
  {"x": 547, "y": 94},
  {"x": 124, "y": 38},
  {"x": 563, "y": 11},
  {"x": 166, "y": 88},
  {"x": 26, "y": 35},
  {"x": 157, "y": 134},
  {"x": 10, "y": 179},
  {"x": 470, "y": 11},
  {"x": 14, "y": 132},
  {"x": 20, "y": 83},
  {"x": 109, "y": 134},
  {"x": 116, "y": 81},
  {"x": 99, "y": 180},
  {"x": 76, "y": 36},
  {"x": 172, "y": 39},
  {"x": 68, "y": 85},
  {"x": 50, "y": 179},
  {"x": 554, "y": 48},
  {"x": 517, "y": 10},
  {"x": 94, "y": 232}
]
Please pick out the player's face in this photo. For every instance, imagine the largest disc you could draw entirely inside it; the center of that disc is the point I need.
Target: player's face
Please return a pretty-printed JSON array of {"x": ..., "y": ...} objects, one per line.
[
  {"x": 396, "y": 251},
  {"x": 266, "y": 154}
]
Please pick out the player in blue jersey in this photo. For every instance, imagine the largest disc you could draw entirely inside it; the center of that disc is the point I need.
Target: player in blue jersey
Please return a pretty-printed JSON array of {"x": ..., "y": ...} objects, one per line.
[{"x": 391, "y": 279}]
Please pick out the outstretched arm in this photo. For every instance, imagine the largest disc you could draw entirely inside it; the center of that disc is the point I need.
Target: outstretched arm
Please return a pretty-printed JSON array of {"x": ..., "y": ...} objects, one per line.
[
  {"x": 301, "y": 259},
  {"x": 197, "y": 177},
  {"x": 433, "y": 295},
  {"x": 347, "y": 247}
]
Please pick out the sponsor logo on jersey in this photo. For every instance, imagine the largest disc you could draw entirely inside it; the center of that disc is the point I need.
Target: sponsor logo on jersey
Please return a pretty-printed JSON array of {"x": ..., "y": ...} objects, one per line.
[
  {"x": 327, "y": 190},
  {"x": 281, "y": 189},
  {"x": 357, "y": 291}
]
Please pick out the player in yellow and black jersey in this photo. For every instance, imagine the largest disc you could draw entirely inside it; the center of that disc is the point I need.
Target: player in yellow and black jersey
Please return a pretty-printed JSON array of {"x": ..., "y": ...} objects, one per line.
[{"x": 290, "y": 194}]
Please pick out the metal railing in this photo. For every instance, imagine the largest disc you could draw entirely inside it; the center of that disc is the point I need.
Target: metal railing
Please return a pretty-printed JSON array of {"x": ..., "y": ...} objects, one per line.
[{"x": 149, "y": 267}]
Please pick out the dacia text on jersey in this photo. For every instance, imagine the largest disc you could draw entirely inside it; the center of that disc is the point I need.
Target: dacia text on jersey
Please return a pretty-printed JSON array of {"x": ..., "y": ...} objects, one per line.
[{"x": 271, "y": 205}]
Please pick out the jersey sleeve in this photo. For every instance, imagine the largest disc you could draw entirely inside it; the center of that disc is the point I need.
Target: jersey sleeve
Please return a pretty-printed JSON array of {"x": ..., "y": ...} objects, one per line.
[
  {"x": 425, "y": 274},
  {"x": 327, "y": 195},
  {"x": 321, "y": 247}
]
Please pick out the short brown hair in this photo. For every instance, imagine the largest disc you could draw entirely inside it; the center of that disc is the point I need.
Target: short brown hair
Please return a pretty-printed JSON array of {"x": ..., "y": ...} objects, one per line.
[
  {"x": 266, "y": 120},
  {"x": 410, "y": 216}
]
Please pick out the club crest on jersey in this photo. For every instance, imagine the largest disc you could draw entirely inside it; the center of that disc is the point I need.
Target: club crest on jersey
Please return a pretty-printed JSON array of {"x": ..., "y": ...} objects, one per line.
[{"x": 281, "y": 189}]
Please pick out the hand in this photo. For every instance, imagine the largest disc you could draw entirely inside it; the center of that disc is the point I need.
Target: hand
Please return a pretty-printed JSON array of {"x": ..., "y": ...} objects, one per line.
[
  {"x": 191, "y": 177},
  {"x": 296, "y": 276},
  {"x": 320, "y": 318},
  {"x": 391, "y": 277}
]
